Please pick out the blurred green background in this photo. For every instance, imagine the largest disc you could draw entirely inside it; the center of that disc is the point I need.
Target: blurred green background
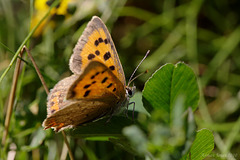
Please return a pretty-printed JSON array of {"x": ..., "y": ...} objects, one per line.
[{"x": 203, "y": 34}]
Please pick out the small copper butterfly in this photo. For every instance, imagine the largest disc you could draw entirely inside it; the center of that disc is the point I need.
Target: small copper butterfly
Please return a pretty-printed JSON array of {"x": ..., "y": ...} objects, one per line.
[{"x": 97, "y": 87}]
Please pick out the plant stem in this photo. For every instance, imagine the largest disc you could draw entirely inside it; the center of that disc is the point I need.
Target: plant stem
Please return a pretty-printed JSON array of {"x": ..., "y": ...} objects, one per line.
[{"x": 11, "y": 99}]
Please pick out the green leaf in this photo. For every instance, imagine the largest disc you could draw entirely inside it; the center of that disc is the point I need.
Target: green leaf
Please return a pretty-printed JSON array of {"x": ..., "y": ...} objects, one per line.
[
  {"x": 202, "y": 145},
  {"x": 167, "y": 84}
]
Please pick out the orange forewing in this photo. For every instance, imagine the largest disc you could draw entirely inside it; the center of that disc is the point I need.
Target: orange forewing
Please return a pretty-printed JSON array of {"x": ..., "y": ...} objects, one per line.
[
  {"x": 97, "y": 81},
  {"x": 71, "y": 105},
  {"x": 96, "y": 44}
]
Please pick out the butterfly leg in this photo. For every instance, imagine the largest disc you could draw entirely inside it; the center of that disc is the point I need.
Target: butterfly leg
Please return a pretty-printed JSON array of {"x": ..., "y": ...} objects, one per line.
[
  {"x": 133, "y": 109},
  {"x": 126, "y": 112},
  {"x": 108, "y": 120},
  {"x": 110, "y": 117}
]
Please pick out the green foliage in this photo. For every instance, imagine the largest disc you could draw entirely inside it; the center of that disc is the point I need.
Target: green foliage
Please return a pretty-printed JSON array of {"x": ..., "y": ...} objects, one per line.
[
  {"x": 202, "y": 145},
  {"x": 164, "y": 87}
]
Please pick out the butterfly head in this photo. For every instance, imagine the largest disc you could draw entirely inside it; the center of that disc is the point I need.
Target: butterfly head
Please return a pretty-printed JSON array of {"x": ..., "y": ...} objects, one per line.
[{"x": 130, "y": 91}]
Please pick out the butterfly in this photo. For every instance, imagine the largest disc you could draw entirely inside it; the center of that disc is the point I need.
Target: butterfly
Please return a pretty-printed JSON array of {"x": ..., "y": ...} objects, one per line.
[{"x": 97, "y": 87}]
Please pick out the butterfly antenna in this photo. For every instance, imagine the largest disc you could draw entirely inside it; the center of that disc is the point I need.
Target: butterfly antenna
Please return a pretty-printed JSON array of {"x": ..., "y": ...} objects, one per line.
[
  {"x": 131, "y": 78},
  {"x": 137, "y": 76}
]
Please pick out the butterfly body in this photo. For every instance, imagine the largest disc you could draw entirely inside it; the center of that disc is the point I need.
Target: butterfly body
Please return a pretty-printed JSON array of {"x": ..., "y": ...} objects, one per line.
[{"x": 96, "y": 89}]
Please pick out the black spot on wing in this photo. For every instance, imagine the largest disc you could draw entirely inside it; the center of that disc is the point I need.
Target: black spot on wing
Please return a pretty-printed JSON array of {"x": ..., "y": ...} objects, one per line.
[
  {"x": 97, "y": 52},
  {"x": 106, "y": 41},
  {"x": 91, "y": 56},
  {"x": 112, "y": 68},
  {"x": 86, "y": 93},
  {"x": 93, "y": 76},
  {"x": 107, "y": 55},
  {"x": 86, "y": 86},
  {"x": 100, "y": 40},
  {"x": 96, "y": 43},
  {"x": 104, "y": 80},
  {"x": 109, "y": 85}
]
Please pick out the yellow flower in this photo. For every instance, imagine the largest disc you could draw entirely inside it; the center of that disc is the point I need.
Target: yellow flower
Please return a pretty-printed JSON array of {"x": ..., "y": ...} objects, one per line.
[{"x": 41, "y": 7}]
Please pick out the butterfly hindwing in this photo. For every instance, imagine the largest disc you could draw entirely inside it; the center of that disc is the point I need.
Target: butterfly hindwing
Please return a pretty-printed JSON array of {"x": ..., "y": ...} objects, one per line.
[
  {"x": 96, "y": 82},
  {"x": 57, "y": 95},
  {"x": 76, "y": 113},
  {"x": 96, "y": 44}
]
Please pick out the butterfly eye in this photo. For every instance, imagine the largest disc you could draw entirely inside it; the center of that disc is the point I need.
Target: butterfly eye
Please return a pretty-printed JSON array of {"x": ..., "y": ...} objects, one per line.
[{"x": 130, "y": 91}]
